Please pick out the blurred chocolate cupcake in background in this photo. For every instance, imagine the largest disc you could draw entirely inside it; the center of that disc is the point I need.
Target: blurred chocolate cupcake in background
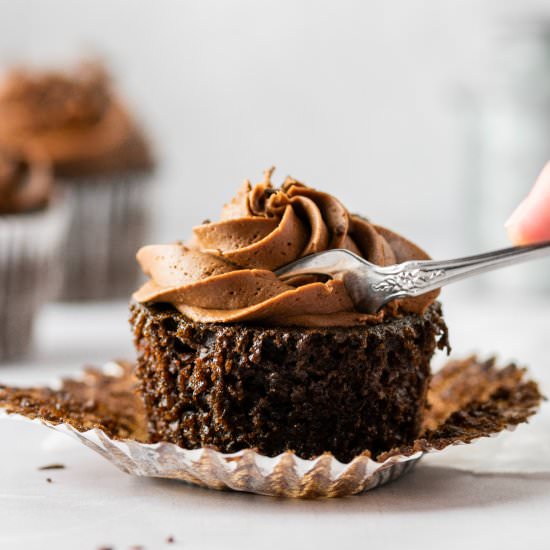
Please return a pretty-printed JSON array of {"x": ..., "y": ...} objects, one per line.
[
  {"x": 100, "y": 158},
  {"x": 33, "y": 226}
]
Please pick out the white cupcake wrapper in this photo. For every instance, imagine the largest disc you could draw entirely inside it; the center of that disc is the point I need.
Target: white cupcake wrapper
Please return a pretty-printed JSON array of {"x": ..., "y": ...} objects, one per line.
[
  {"x": 30, "y": 272},
  {"x": 109, "y": 222}
]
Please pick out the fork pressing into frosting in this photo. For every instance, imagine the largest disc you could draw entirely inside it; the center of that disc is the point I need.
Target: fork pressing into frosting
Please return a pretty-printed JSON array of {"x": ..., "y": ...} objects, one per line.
[{"x": 371, "y": 286}]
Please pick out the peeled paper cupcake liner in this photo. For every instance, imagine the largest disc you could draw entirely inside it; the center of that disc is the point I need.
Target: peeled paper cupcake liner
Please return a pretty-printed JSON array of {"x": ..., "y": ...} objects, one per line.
[
  {"x": 109, "y": 222},
  {"x": 30, "y": 274},
  {"x": 103, "y": 412}
]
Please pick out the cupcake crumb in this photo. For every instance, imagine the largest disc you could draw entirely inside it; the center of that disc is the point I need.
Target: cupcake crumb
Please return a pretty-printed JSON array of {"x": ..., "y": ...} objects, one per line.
[{"x": 52, "y": 467}]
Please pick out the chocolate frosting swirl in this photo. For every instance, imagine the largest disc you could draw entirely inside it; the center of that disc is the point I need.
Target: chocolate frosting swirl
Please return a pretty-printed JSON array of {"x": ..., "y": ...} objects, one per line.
[
  {"x": 25, "y": 185},
  {"x": 225, "y": 272},
  {"x": 74, "y": 119}
]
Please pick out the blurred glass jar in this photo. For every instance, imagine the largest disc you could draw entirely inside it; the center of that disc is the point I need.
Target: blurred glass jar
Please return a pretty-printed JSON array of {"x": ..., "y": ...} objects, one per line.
[{"x": 508, "y": 143}]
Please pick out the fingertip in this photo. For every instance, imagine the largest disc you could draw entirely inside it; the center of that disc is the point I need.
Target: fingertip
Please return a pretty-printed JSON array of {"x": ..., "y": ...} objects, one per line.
[{"x": 530, "y": 221}]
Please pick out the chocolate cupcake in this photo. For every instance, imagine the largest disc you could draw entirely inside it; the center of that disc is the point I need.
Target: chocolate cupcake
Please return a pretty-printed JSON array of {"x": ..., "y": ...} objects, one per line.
[
  {"x": 32, "y": 228},
  {"x": 99, "y": 157},
  {"x": 231, "y": 357}
]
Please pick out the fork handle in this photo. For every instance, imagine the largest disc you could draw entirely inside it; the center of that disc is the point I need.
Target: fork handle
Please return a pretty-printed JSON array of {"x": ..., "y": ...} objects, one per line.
[{"x": 417, "y": 277}]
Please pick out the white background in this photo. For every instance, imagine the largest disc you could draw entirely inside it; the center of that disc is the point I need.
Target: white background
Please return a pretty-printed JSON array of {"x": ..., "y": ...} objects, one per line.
[{"x": 366, "y": 99}]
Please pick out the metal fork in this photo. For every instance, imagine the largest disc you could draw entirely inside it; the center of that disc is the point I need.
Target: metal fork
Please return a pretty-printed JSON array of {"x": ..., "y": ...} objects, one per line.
[{"x": 371, "y": 286}]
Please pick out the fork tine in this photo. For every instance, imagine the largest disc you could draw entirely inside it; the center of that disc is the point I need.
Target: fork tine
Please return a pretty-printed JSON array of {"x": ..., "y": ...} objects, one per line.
[{"x": 329, "y": 262}]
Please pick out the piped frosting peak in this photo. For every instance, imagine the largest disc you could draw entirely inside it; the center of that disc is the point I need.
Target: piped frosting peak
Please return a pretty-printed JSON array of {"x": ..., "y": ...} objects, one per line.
[{"x": 225, "y": 272}]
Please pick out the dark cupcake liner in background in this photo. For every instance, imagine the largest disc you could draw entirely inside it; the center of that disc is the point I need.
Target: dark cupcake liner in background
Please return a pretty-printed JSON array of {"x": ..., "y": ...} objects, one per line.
[
  {"x": 109, "y": 222},
  {"x": 30, "y": 273}
]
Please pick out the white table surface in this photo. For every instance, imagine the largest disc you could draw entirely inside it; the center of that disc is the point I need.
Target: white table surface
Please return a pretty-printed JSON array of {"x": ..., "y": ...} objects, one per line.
[{"x": 495, "y": 493}]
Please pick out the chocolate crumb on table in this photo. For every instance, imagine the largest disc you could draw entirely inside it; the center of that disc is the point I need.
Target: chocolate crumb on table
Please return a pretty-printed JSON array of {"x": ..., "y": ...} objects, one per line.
[
  {"x": 49, "y": 480},
  {"x": 170, "y": 539},
  {"x": 52, "y": 467}
]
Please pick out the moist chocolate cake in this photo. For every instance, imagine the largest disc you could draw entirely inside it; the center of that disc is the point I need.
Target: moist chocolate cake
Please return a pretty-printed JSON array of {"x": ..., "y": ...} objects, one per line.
[
  {"x": 229, "y": 356},
  {"x": 342, "y": 390}
]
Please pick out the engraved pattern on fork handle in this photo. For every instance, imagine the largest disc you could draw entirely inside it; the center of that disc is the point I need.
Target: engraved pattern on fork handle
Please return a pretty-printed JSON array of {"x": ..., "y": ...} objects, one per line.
[{"x": 408, "y": 281}]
